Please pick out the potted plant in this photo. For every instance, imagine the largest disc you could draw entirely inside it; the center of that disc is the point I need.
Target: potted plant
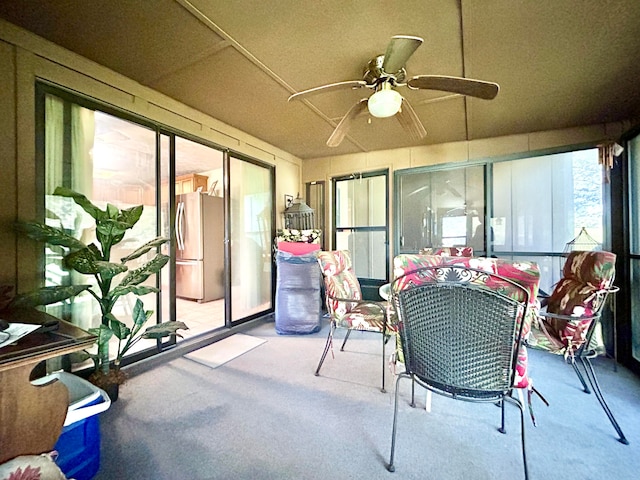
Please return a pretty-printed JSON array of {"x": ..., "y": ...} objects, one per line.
[{"x": 94, "y": 260}]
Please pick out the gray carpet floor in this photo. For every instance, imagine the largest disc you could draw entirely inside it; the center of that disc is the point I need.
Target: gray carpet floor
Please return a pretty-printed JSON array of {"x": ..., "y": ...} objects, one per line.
[{"x": 264, "y": 415}]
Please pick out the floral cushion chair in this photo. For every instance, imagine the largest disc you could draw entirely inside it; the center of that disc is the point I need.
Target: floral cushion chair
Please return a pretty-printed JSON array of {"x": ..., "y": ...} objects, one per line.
[
  {"x": 448, "y": 251},
  {"x": 572, "y": 313},
  {"x": 526, "y": 274},
  {"x": 346, "y": 307}
]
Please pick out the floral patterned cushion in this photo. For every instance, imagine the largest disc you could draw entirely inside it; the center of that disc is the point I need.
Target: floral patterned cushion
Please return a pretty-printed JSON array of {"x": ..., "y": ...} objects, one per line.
[
  {"x": 448, "y": 251},
  {"x": 526, "y": 274},
  {"x": 32, "y": 467},
  {"x": 341, "y": 283},
  {"x": 578, "y": 294}
]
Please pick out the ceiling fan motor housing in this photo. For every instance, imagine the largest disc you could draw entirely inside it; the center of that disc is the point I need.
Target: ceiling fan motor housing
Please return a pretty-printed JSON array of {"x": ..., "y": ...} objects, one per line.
[{"x": 374, "y": 74}]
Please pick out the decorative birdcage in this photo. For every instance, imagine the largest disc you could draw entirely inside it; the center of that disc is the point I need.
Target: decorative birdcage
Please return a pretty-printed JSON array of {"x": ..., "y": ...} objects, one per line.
[
  {"x": 583, "y": 242},
  {"x": 299, "y": 215}
]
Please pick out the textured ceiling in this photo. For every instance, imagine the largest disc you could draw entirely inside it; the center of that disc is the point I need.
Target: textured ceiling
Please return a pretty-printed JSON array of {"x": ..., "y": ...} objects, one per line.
[{"x": 559, "y": 63}]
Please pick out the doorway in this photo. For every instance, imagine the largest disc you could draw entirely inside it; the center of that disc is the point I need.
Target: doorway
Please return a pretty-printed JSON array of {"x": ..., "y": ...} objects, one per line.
[
  {"x": 199, "y": 237},
  {"x": 361, "y": 227}
]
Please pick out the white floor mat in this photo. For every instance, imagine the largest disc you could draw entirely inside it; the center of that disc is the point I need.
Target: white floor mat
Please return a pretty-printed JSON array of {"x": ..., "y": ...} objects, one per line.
[{"x": 224, "y": 350}]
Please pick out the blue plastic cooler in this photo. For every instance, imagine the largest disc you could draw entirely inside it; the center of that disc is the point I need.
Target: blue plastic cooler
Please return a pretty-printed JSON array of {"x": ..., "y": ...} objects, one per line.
[{"x": 78, "y": 446}]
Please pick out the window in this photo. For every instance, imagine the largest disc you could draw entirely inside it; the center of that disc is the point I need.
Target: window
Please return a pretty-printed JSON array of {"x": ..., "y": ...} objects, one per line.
[
  {"x": 442, "y": 208},
  {"x": 361, "y": 225},
  {"x": 541, "y": 203},
  {"x": 634, "y": 243},
  {"x": 537, "y": 205}
]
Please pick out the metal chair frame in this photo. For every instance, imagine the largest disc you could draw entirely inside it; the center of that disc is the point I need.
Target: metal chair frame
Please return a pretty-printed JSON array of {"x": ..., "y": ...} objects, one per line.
[
  {"x": 585, "y": 352},
  {"x": 437, "y": 311},
  {"x": 329, "y": 344}
]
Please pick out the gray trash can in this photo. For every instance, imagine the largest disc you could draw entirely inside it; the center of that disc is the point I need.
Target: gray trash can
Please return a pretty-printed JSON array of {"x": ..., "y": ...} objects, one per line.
[{"x": 298, "y": 300}]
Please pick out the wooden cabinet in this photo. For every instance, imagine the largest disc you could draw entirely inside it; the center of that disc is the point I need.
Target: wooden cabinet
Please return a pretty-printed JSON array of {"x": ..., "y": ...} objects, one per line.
[
  {"x": 32, "y": 417},
  {"x": 191, "y": 183}
]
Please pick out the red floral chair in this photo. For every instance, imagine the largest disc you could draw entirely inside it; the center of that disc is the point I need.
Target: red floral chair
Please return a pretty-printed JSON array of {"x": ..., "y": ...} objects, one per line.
[
  {"x": 448, "y": 251},
  {"x": 346, "y": 307},
  {"x": 461, "y": 327},
  {"x": 573, "y": 310},
  {"x": 526, "y": 274}
]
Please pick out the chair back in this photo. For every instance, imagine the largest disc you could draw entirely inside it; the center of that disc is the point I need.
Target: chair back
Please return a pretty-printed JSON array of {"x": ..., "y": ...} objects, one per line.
[
  {"x": 460, "y": 329},
  {"x": 581, "y": 292},
  {"x": 526, "y": 274},
  {"x": 448, "y": 251},
  {"x": 340, "y": 281}
]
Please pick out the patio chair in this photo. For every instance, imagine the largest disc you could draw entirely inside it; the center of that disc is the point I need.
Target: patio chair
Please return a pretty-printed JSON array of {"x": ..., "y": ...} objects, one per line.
[
  {"x": 572, "y": 314},
  {"x": 460, "y": 330},
  {"x": 448, "y": 251},
  {"x": 345, "y": 305}
]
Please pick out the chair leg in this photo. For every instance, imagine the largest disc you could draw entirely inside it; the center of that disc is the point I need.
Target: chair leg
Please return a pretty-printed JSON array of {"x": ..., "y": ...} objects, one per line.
[
  {"x": 522, "y": 431},
  {"x": 384, "y": 361},
  {"x": 593, "y": 380},
  {"x": 390, "y": 466},
  {"x": 346, "y": 337},
  {"x": 327, "y": 346},
  {"x": 580, "y": 377}
]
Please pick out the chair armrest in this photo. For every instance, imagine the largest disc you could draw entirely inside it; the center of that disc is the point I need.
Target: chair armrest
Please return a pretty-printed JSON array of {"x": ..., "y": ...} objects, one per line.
[
  {"x": 568, "y": 317},
  {"x": 380, "y": 305}
]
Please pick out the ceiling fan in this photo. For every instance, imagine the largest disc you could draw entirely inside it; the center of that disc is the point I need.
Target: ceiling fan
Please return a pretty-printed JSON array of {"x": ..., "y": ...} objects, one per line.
[{"x": 383, "y": 74}]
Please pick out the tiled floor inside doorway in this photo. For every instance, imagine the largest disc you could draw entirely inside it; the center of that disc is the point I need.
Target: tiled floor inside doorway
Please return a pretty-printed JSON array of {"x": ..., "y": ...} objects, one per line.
[{"x": 200, "y": 317}]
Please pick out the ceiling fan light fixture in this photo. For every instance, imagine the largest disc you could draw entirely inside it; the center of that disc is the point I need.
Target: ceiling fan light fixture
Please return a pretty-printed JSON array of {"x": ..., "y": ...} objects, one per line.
[{"x": 386, "y": 102}]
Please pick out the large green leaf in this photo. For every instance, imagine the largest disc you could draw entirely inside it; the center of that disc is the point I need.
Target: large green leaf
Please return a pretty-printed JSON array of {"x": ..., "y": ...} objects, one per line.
[
  {"x": 81, "y": 200},
  {"x": 108, "y": 270},
  {"x": 110, "y": 228},
  {"x": 164, "y": 330},
  {"x": 112, "y": 211},
  {"x": 120, "y": 330},
  {"x": 130, "y": 216},
  {"x": 104, "y": 334},
  {"x": 51, "y": 235},
  {"x": 156, "y": 242},
  {"x": 47, "y": 296},
  {"x": 138, "y": 290},
  {"x": 140, "y": 315},
  {"x": 139, "y": 275},
  {"x": 83, "y": 261}
]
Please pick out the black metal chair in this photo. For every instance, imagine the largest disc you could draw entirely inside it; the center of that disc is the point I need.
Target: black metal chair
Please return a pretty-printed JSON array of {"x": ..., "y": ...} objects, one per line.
[
  {"x": 570, "y": 320},
  {"x": 460, "y": 331}
]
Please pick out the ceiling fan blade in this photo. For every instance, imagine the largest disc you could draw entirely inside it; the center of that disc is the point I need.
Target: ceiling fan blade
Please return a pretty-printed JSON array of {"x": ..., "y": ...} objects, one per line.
[
  {"x": 463, "y": 86},
  {"x": 409, "y": 120},
  {"x": 328, "y": 88},
  {"x": 343, "y": 127},
  {"x": 400, "y": 48}
]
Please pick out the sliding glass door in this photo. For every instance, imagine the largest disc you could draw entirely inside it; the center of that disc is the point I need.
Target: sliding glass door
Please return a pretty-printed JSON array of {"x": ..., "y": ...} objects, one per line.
[
  {"x": 111, "y": 161},
  {"x": 251, "y": 233},
  {"x": 632, "y": 325},
  {"x": 215, "y": 207}
]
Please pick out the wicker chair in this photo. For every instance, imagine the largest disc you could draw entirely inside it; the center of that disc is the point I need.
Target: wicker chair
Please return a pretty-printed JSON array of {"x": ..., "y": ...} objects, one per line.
[
  {"x": 572, "y": 314},
  {"x": 346, "y": 307},
  {"x": 460, "y": 330}
]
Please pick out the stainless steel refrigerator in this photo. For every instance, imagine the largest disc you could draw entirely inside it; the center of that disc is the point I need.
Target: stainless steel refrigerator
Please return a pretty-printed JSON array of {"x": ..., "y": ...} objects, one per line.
[{"x": 199, "y": 247}]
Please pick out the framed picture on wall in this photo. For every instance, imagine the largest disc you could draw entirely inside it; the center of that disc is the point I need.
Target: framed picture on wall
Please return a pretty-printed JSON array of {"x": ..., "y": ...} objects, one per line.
[{"x": 288, "y": 201}]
